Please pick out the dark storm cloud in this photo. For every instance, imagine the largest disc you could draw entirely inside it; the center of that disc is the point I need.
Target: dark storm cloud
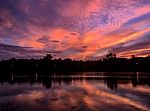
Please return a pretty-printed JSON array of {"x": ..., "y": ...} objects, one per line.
[
  {"x": 55, "y": 41},
  {"x": 9, "y": 51},
  {"x": 135, "y": 46},
  {"x": 12, "y": 48},
  {"x": 84, "y": 47},
  {"x": 44, "y": 40},
  {"x": 139, "y": 44},
  {"x": 145, "y": 17}
]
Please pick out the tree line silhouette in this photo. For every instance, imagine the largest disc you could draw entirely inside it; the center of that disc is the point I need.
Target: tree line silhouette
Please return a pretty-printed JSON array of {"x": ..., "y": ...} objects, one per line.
[{"x": 48, "y": 65}]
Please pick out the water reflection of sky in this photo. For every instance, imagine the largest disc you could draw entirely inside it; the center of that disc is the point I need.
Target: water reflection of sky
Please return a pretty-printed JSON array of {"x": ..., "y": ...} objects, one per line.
[{"x": 78, "y": 95}]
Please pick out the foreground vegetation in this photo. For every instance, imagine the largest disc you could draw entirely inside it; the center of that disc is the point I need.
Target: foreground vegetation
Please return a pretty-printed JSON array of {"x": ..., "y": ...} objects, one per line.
[{"x": 47, "y": 65}]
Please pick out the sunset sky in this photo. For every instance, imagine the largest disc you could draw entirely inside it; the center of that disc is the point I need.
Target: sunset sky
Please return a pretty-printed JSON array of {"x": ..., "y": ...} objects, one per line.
[{"x": 77, "y": 29}]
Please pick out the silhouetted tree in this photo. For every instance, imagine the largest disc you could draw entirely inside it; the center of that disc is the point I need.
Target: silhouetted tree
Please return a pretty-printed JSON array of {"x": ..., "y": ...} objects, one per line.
[
  {"x": 47, "y": 65},
  {"x": 48, "y": 57},
  {"x": 133, "y": 56},
  {"x": 110, "y": 55}
]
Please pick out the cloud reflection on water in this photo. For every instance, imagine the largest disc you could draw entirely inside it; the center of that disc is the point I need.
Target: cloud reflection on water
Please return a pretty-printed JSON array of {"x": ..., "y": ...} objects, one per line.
[{"x": 82, "y": 94}]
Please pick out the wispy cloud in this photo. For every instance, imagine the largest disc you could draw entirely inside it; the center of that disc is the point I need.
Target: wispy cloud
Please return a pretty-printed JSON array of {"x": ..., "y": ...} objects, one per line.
[{"x": 79, "y": 29}]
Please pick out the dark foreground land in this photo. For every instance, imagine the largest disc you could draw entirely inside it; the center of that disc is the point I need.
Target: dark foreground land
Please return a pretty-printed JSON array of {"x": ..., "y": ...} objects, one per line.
[{"x": 47, "y": 65}]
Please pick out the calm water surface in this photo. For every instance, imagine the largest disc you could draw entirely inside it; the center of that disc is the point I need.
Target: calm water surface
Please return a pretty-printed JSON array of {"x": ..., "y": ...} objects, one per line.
[{"x": 77, "y": 92}]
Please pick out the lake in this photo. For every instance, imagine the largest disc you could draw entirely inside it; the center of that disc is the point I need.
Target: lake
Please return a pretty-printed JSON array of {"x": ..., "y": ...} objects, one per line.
[{"x": 82, "y": 91}]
